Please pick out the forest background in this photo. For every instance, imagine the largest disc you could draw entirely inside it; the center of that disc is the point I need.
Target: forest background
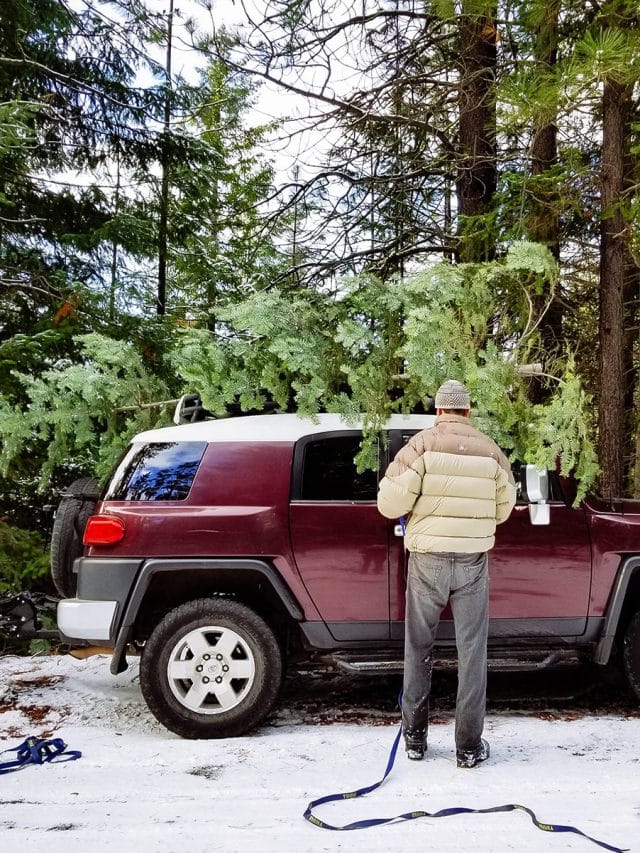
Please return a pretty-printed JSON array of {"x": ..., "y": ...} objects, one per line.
[{"x": 455, "y": 194}]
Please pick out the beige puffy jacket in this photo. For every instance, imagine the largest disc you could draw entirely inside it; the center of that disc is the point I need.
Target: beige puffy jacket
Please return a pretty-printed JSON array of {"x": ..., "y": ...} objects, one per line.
[{"x": 455, "y": 484}]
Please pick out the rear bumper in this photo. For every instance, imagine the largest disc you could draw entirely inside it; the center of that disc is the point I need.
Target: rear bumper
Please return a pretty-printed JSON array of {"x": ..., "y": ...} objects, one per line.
[
  {"x": 104, "y": 585},
  {"x": 80, "y": 619}
]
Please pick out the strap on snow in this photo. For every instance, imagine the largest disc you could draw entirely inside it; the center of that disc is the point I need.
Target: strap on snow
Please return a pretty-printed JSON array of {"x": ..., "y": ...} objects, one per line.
[
  {"x": 38, "y": 751},
  {"x": 364, "y": 824}
]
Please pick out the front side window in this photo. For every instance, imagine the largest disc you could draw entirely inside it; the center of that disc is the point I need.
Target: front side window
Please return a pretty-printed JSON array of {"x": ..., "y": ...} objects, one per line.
[
  {"x": 329, "y": 471},
  {"x": 156, "y": 472}
]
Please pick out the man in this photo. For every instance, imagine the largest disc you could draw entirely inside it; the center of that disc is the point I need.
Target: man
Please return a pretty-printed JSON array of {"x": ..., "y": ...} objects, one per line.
[{"x": 454, "y": 484}]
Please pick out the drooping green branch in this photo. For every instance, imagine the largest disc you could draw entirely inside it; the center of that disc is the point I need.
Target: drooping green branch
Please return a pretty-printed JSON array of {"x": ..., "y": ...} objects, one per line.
[
  {"x": 367, "y": 350},
  {"x": 374, "y": 348},
  {"x": 73, "y": 408}
]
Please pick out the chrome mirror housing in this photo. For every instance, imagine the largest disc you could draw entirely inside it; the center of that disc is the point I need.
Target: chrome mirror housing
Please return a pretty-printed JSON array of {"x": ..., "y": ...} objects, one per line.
[{"x": 536, "y": 484}]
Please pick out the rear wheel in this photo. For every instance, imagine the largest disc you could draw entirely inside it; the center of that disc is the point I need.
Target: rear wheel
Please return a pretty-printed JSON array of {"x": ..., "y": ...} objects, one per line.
[
  {"x": 78, "y": 503},
  {"x": 211, "y": 668},
  {"x": 631, "y": 653}
]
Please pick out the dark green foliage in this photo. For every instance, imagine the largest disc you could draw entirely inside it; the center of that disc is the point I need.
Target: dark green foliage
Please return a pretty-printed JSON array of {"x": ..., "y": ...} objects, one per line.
[{"x": 23, "y": 558}]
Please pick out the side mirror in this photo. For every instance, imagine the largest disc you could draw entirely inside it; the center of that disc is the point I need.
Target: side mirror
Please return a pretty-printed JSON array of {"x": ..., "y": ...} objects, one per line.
[{"x": 535, "y": 488}]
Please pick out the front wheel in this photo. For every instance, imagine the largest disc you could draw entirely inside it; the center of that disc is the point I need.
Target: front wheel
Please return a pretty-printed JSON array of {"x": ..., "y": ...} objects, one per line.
[{"x": 211, "y": 668}]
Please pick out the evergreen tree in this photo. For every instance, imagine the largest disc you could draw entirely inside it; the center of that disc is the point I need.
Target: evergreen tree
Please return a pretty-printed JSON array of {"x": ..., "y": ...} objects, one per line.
[
  {"x": 220, "y": 247},
  {"x": 73, "y": 72},
  {"x": 71, "y": 112}
]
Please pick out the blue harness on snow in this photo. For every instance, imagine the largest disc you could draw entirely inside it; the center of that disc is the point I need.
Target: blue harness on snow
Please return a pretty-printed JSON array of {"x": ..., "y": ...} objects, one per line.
[
  {"x": 364, "y": 824},
  {"x": 36, "y": 750}
]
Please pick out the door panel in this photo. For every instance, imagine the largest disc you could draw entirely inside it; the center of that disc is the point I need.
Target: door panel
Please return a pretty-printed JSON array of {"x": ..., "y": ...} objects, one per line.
[
  {"x": 341, "y": 554},
  {"x": 339, "y": 538},
  {"x": 541, "y": 572}
]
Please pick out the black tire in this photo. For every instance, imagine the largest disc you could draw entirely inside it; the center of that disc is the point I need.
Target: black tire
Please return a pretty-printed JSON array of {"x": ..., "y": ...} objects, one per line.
[
  {"x": 631, "y": 653},
  {"x": 211, "y": 668},
  {"x": 71, "y": 519}
]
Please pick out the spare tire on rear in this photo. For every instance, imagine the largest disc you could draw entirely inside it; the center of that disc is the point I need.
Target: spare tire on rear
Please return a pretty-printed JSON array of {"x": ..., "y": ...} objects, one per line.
[{"x": 77, "y": 504}]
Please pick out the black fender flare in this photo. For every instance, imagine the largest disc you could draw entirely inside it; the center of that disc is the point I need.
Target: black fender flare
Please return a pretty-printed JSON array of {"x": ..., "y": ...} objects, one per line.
[
  {"x": 155, "y": 566},
  {"x": 629, "y": 567}
]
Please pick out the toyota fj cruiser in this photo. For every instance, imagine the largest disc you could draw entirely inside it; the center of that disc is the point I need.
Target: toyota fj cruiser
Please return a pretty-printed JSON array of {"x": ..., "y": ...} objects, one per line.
[{"x": 224, "y": 550}]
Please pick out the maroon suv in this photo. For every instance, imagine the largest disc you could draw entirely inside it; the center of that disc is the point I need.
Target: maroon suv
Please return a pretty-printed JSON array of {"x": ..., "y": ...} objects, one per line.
[{"x": 225, "y": 548}]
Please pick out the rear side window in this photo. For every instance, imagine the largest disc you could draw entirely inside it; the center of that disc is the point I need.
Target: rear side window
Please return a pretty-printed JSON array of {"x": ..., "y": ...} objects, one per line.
[
  {"x": 156, "y": 472},
  {"x": 329, "y": 471}
]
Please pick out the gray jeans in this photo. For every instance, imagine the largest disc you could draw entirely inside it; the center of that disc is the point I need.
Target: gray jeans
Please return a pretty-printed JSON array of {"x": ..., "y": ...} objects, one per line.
[{"x": 434, "y": 580}]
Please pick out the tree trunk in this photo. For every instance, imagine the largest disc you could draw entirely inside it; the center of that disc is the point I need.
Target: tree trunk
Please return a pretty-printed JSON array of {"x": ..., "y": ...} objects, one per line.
[
  {"x": 164, "y": 181},
  {"x": 113, "y": 285},
  {"x": 543, "y": 225},
  {"x": 613, "y": 255},
  {"x": 477, "y": 171},
  {"x": 545, "y": 221},
  {"x": 631, "y": 343},
  {"x": 630, "y": 366}
]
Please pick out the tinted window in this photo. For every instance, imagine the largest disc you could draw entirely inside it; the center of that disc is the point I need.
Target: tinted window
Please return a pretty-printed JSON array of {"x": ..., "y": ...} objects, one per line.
[
  {"x": 156, "y": 472},
  {"x": 329, "y": 472}
]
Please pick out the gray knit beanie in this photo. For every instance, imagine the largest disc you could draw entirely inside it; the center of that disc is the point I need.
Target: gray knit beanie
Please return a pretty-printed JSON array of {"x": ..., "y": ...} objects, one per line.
[{"x": 453, "y": 395}]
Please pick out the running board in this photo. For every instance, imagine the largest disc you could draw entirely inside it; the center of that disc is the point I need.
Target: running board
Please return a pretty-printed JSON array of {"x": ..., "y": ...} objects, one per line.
[
  {"x": 550, "y": 660},
  {"x": 513, "y": 662},
  {"x": 354, "y": 666}
]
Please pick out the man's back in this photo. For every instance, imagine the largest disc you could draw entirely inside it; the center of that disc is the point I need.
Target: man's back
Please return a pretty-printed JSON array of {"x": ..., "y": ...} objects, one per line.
[{"x": 456, "y": 484}]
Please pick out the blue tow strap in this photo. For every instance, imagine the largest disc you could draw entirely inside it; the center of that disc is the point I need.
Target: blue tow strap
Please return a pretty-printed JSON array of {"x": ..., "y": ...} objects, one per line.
[
  {"x": 364, "y": 824},
  {"x": 36, "y": 750}
]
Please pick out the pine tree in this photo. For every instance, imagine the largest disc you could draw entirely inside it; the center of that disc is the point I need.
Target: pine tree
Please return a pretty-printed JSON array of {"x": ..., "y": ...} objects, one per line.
[{"x": 220, "y": 246}]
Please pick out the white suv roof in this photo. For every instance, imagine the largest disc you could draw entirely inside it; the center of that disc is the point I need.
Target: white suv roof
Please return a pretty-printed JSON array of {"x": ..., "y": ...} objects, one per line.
[{"x": 281, "y": 428}]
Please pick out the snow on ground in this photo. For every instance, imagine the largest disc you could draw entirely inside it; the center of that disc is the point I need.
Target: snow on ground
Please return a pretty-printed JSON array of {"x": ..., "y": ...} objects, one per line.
[{"x": 140, "y": 789}]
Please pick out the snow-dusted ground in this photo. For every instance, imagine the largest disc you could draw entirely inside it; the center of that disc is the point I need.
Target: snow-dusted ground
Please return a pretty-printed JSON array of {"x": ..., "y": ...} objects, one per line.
[{"x": 138, "y": 788}]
